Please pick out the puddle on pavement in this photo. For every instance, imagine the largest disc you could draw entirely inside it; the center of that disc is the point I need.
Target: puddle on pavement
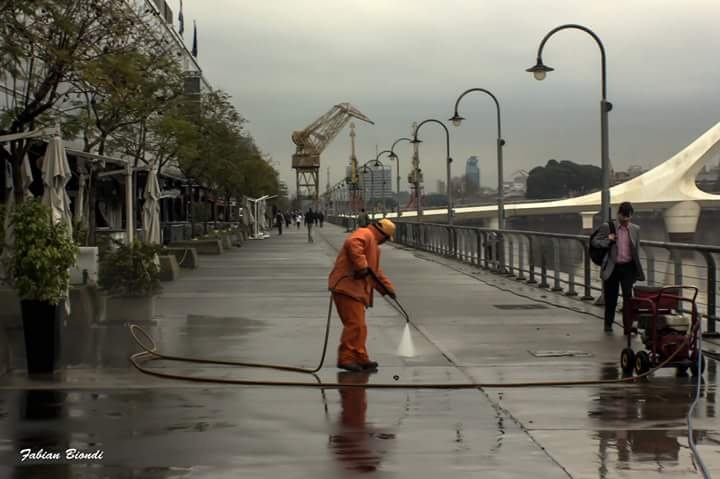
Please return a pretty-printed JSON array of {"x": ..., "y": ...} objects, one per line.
[{"x": 643, "y": 427}]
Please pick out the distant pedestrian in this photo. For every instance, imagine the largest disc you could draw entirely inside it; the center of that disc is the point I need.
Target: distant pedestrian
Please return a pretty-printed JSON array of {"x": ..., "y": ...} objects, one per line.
[
  {"x": 322, "y": 218},
  {"x": 364, "y": 218},
  {"x": 298, "y": 219},
  {"x": 309, "y": 221},
  {"x": 287, "y": 220},
  {"x": 621, "y": 266},
  {"x": 279, "y": 219}
]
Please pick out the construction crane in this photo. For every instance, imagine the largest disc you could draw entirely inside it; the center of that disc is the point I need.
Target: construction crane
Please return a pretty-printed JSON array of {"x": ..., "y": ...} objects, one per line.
[{"x": 312, "y": 141}]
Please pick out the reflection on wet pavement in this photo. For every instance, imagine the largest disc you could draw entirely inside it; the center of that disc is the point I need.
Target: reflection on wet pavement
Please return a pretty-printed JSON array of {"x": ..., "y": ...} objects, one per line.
[
  {"x": 256, "y": 432},
  {"x": 608, "y": 431},
  {"x": 356, "y": 444}
]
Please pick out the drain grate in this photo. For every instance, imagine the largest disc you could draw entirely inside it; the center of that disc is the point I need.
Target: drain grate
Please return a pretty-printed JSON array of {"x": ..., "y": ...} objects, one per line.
[{"x": 520, "y": 306}]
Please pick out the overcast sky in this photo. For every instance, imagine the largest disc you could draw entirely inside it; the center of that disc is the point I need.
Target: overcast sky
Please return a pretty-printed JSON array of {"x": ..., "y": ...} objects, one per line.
[{"x": 286, "y": 62}]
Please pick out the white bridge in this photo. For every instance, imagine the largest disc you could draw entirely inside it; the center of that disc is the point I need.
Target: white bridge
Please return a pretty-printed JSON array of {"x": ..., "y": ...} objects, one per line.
[{"x": 669, "y": 187}]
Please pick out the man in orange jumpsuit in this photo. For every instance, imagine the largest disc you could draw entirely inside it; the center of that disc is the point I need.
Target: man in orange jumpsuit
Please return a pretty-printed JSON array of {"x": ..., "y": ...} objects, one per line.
[{"x": 352, "y": 288}]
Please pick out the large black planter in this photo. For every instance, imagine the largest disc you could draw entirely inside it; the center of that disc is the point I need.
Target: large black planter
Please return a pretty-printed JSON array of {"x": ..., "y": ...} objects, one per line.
[{"x": 42, "y": 328}]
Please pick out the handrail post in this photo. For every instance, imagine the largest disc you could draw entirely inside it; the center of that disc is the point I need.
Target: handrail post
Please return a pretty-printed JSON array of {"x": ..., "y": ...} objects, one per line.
[
  {"x": 571, "y": 277},
  {"x": 711, "y": 294},
  {"x": 543, "y": 266},
  {"x": 431, "y": 239},
  {"x": 587, "y": 293},
  {"x": 454, "y": 241},
  {"x": 483, "y": 250},
  {"x": 448, "y": 241},
  {"x": 511, "y": 255},
  {"x": 531, "y": 261},
  {"x": 500, "y": 251},
  {"x": 521, "y": 260},
  {"x": 556, "y": 260},
  {"x": 678, "y": 271},
  {"x": 438, "y": 241}
]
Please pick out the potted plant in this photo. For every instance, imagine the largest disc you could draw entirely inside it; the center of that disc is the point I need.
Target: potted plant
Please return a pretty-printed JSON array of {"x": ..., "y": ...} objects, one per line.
[
  {"x": 130, "y": 276},
  {"x": 38, "y": 268}
]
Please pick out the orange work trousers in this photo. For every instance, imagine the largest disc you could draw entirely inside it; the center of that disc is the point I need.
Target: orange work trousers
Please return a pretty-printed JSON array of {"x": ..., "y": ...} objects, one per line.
[{"x": 352, "y": 341}]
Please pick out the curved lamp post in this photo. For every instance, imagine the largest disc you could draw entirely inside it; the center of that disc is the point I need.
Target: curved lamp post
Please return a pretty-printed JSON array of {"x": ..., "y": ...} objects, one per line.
[
  {"x": 415, "y": 140},
  {"x": 393, "y": 156},
  {"x": 457, "y": 121},
  {"x": 540, "y": 70}
]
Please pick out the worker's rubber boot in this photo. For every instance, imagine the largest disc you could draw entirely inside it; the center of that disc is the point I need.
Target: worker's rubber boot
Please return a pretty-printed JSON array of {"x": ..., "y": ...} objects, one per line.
[
  {"x": 353, "y": 367},
  {"x": 369, "y": 366}
]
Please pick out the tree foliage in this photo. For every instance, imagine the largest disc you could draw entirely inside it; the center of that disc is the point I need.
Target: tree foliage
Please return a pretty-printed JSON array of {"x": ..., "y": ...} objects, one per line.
[
  {"x": 562, "y": 179},
  {"x": 44, "y": 46},
  {"x": 226, "y": 158},
  {"x": 107, "y": 71}
]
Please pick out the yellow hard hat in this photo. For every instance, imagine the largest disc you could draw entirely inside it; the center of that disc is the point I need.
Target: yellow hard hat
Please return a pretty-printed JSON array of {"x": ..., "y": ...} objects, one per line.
[{"x": 387, "y": 227}]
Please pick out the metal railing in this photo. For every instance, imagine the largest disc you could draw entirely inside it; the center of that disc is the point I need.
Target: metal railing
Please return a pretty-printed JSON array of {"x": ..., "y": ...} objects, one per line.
[{"x": 561, "y": 263}]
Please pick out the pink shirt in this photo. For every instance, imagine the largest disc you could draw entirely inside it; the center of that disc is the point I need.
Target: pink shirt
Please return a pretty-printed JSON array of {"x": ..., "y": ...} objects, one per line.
[{"x": 624, "y": 245}]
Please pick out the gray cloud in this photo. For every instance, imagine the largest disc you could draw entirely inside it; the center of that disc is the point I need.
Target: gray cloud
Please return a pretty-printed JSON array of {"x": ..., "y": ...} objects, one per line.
[{"x": 286, "y": 62}]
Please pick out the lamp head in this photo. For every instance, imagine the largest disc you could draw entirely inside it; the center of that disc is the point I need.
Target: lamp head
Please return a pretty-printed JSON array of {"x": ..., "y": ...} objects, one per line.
[
  {"x": 415, "y": 140},
  {"x": 539, "y": 70},
  {"x": 456, "y": 119},
  {"x": 392, "y": 155}
]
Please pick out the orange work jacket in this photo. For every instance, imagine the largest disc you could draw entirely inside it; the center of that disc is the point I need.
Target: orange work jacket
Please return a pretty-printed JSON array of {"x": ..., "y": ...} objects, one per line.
[{"x": 360, "y": 250}]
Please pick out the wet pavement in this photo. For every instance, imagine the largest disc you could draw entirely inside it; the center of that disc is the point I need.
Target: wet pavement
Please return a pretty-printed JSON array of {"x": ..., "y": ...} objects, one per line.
[{"x": 267, "y": 302}]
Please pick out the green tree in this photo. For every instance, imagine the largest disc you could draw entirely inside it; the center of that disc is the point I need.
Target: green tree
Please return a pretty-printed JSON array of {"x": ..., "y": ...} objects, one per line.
[
  {"x": 226, "y": 160},
  {"x": 43, "y": 46},
  {"x": 119, "y": 93},
  {"x": 562, "y": 179}
]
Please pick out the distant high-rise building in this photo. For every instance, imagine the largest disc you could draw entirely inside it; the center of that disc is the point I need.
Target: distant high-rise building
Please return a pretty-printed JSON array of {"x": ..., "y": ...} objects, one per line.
[
  {"x": 441, "y": 187},
  {"x": 472, "y": 171},
  {"x": 376, "y": 184}
]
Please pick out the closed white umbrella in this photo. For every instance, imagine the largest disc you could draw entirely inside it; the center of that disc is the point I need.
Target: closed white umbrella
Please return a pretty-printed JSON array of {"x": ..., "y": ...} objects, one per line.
[
  {"x": 151, "y": 208},
  {"x": 56, "y": 175}
]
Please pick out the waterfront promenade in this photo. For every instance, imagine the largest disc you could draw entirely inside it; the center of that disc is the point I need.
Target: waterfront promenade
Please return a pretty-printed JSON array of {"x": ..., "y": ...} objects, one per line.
[{"x": 267, "y": 302}]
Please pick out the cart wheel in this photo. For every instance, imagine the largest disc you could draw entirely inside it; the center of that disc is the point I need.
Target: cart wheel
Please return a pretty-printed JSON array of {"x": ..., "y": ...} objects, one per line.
[
  {"x": 642, "y": 362},
  {"x": 627, "y": 360},
  {"x": 694, "y": 365}
]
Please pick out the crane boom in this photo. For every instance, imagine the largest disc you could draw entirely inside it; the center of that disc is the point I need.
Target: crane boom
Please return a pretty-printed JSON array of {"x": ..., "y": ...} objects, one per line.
[{"x": 313, "y": 140}]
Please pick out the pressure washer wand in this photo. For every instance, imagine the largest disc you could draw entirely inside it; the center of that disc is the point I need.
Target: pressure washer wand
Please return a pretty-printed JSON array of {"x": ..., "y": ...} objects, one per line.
[{"x": 386, "y": 292}]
